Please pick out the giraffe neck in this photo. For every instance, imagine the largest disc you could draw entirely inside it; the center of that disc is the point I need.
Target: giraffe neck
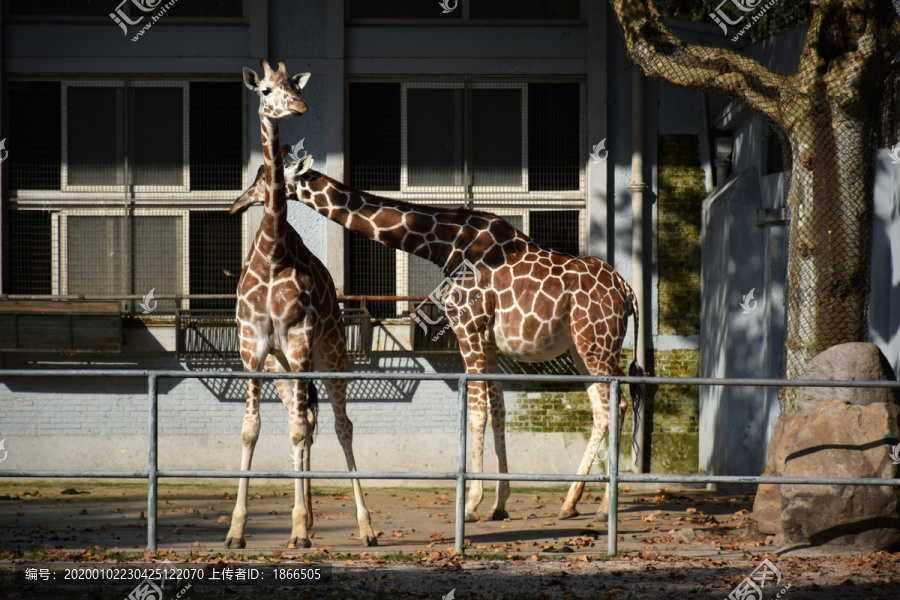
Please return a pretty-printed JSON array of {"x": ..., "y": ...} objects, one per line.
[
  {"x": 270, "y": 240},
  {"x": 444, "y": 236}
]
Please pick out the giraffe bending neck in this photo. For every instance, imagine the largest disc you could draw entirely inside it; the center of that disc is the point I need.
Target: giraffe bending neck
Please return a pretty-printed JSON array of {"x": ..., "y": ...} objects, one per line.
[{"x": 443, "y": 236}]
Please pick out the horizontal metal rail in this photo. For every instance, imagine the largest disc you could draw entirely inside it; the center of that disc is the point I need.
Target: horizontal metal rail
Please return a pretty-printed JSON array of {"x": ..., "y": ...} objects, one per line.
[{"x": 152, "y": 474}]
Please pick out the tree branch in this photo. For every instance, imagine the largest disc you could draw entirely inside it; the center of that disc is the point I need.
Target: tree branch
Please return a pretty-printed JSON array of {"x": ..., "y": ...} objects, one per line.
[{"x": 661, "y": 55}]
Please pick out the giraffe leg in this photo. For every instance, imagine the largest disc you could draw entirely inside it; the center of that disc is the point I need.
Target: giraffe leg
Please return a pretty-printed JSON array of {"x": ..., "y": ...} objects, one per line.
[
  {"x": 599, "y": 397},
  {"x": 603, "y": 511},
  {"x": 498, "y": 427},
  {"x": 343, "y": 427},
  {"x": 477, "y": 423},
  {"x": 598, "y": 393},
  {"x": 249, "y": 436},
  {"x": 300, "y": 427},
  {"x": 472, "y": 349}
]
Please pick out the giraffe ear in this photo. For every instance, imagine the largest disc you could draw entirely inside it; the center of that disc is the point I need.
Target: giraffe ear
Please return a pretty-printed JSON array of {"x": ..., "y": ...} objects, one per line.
[
  {"x": 254, "y": 193},
  {"x": 305, "y": 164},
  {"x": 300, "y": 80},
  {"x": 251, "y": 79}
]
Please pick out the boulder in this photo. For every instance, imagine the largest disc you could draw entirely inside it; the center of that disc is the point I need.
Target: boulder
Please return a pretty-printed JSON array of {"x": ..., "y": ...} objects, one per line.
[
  {"x": 852, "y": 361},
  {"x": 767, "y": 505},
  {"x": 838, "y": 439}
]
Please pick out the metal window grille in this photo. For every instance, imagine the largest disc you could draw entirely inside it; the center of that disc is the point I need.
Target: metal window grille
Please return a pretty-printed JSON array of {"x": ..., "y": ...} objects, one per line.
[
  {"x": 30, "y": 259},
  {"x": 34, "y": 139},
  {"x": 217, "y": 151},
  {"x": 109, "y": 200},
  {"x": 374, "y": 142},
  {"x": 560, "y": 230},
  {"x": 214, "y": 266},
  {"x": 555, "y": 149},
  {"x": 525, "y": 9},
  {"x": 400, "y": 9},
  {"x": 535, "y": 10},
  {"x": 373, "y": 271},
  {"x": 204, "y": 9}
]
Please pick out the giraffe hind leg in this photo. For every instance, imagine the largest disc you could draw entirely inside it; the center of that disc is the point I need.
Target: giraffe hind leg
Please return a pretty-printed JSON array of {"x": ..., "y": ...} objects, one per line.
[{"x": 343, "y": 427}]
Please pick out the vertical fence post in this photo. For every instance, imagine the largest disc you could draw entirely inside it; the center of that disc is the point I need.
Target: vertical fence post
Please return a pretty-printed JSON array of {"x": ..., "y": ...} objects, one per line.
[
  {"x": 613, "y": 513},
  {"x": 462, "y": 410},
  {"x": 153, "y": 401}
]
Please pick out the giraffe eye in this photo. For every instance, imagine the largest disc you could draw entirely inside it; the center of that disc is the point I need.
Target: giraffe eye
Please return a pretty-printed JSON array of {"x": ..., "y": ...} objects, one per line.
[{"x": 266, "y": 91}]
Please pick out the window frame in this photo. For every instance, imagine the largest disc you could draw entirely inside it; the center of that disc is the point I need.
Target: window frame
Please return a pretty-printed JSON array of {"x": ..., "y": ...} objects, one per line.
[
  {"x": 124, "y": 85},
  {"x": 491, "y": 197},
  {"x": 464, "y": 188},
  {"x": 87, "y": 194},
  {"x": 464, "y": 20}
]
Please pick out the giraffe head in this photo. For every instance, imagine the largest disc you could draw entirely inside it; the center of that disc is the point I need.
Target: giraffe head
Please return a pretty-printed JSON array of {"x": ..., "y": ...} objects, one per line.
[
  {"x": 279, "y": 94},
  {"x": 256, "y": 193}
]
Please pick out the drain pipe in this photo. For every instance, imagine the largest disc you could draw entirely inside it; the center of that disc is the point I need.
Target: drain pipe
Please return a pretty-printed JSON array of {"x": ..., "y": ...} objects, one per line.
[{"x": 637, "y": 188}]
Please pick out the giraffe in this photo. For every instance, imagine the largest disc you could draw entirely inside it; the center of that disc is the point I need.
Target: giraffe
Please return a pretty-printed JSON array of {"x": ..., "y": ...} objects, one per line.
[
  {"x": 507, "y": 294},
  {"x": 288, "y": 319}
]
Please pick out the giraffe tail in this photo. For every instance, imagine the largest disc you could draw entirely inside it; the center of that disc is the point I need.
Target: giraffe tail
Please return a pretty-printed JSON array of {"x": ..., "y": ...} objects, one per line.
[
  {"x": 312, "y": 402},
  {"x": 635, "y": 369}
]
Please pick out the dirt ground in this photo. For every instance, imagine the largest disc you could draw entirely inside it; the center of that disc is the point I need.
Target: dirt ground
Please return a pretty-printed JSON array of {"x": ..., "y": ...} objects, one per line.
[{"x": 672, "y": 543}]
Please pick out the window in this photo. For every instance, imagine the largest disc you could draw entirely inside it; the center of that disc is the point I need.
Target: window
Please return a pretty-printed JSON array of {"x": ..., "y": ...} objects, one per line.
[
  {"x": 101, "y": 122},
  {"x": 512, "y": 147},
  {"x": 464, "y": 10},
  {"x": 204, "y": 9},
  {"x": 481, "y": 140},
  {"x": 117, "y": 188},
  {"x": 459, "y": 139}
]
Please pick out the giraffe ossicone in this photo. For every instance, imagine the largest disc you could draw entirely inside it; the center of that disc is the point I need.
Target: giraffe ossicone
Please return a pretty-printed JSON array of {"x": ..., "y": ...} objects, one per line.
[
  {"x": 528, "y": 302},
  {"x": 288, "y": 319}
]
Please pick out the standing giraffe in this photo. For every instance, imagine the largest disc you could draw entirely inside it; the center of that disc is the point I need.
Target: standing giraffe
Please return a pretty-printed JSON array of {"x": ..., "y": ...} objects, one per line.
[
  {"x": 288, "y": 318},
  {"x": 514, "y": 296}
]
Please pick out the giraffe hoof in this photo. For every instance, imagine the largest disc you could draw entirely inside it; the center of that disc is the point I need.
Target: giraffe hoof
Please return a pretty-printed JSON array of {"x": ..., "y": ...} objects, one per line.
[
  {"x": 472, "y": 517},
  {"x": 568, "y": 513},
  {"x": 237, "y": 542},
  {"x": 369, "y": 541},
  {"x": 298, "y": 542},
  {"x": 601, "y": 516},
  {"x": 499, "y": 515}
]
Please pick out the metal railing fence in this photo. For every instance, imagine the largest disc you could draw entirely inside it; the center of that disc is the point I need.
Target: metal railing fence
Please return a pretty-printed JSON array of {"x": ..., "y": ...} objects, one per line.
[{"x": 153, "y": 473}]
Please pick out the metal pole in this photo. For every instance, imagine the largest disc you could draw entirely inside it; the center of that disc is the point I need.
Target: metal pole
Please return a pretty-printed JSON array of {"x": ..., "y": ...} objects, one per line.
[
  {"x": 638, "y": 258},
  {"x": 462, "y": 410},
  {"x": 152, "y": 475},
  {"x": 613, "y": 512}
]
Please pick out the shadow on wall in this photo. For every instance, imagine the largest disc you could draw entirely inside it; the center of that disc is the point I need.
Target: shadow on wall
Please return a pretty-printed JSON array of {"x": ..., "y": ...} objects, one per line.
[
  {"x": 884, "y": 297},
  {"x": 735, "y": 421}
]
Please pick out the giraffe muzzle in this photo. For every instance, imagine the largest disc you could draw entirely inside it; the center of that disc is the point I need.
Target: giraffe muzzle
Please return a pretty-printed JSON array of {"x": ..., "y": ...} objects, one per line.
[{"x": 297, "y": 108}]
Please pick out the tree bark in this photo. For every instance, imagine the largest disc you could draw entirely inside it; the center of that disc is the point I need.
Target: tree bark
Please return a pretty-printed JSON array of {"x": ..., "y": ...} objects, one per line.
[{"x": 827, "y": 109}]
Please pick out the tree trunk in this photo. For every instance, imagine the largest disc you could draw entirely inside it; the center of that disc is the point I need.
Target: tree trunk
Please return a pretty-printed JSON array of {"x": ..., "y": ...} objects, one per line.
[{"x": 830, "y": 232}]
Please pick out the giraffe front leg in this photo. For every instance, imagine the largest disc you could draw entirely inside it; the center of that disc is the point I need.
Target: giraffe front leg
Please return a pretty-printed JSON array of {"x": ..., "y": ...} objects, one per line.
[
  {"x": 249, "y": 436},
  {"x": 300, "y": 430},
  {"x": 477, "y": 423},
  {"x": 498, "y": 425},
  {"x": 599, "y": 397}
]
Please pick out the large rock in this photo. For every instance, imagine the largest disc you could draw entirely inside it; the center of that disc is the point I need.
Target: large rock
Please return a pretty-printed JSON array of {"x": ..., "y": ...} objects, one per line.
[
  {"x": 767, "y": 505},
  {"x": 839, "y": 439},
  {"x": 853, "y": 361}
]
